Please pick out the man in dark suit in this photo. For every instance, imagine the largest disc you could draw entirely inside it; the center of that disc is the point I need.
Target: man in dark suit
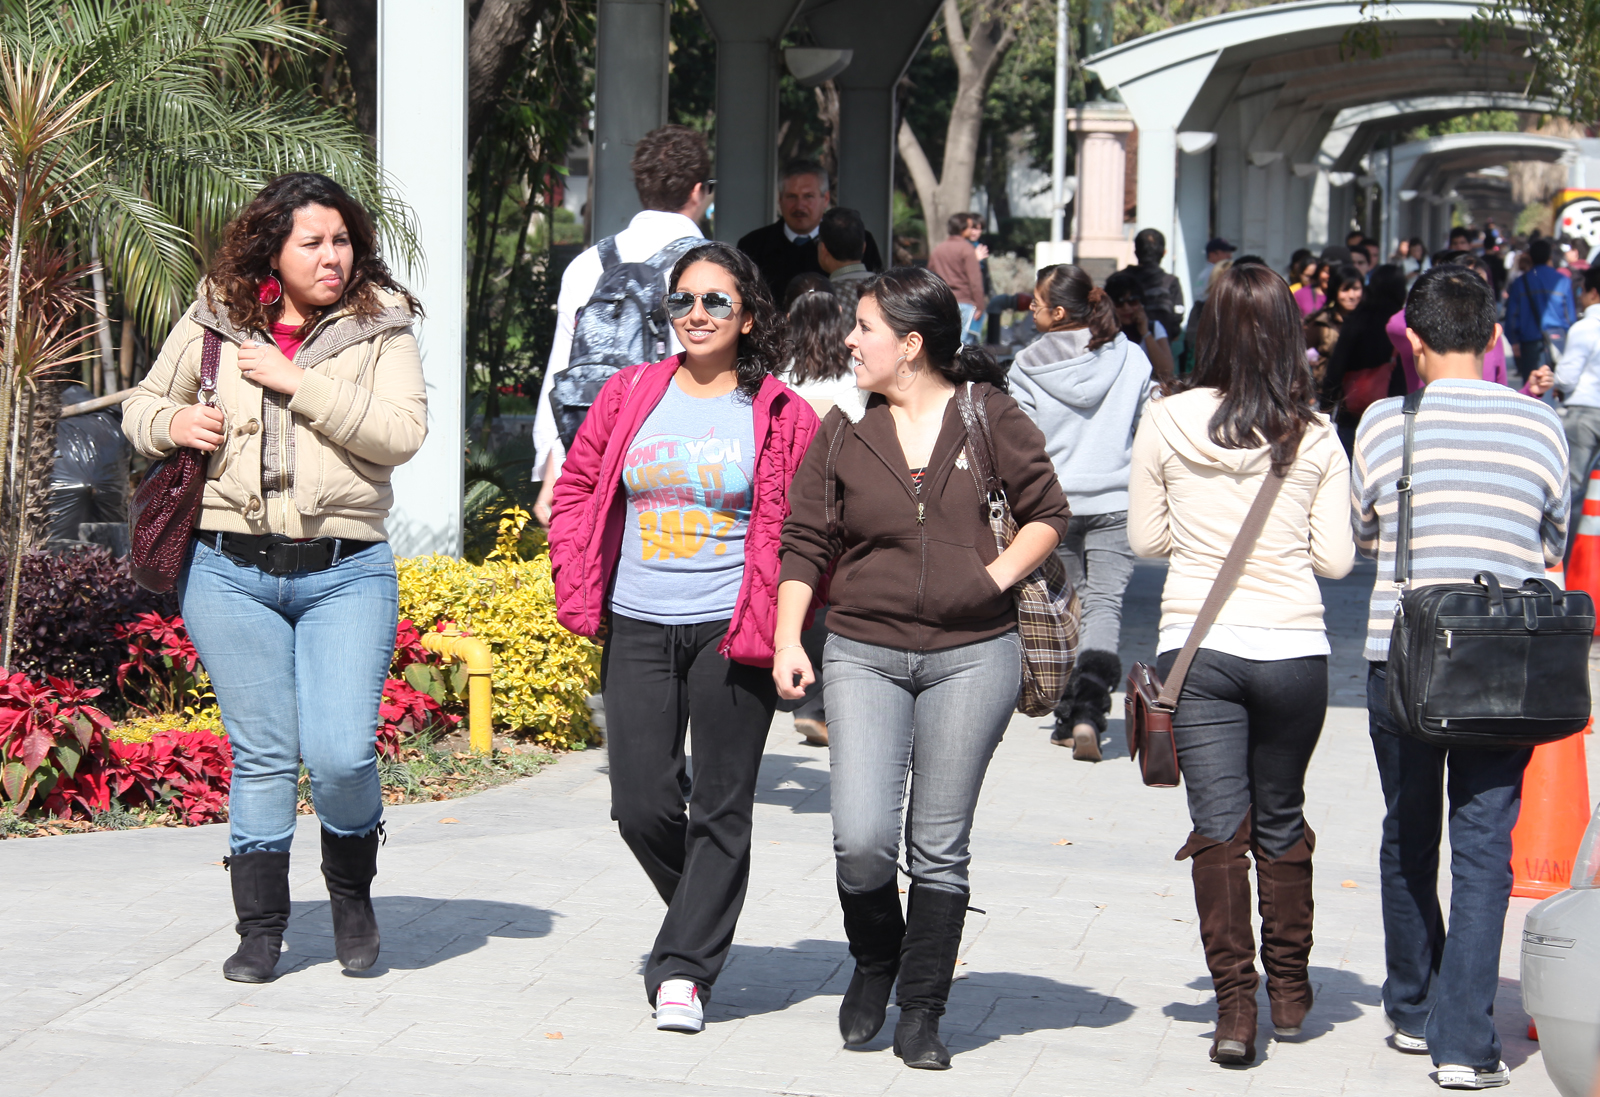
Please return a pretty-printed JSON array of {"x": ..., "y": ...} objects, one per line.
[{"x": 789, "y": 246}]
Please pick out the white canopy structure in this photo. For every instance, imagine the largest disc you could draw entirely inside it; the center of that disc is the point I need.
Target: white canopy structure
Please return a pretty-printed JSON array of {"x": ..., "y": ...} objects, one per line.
[{"x": 1256, "y": 94}]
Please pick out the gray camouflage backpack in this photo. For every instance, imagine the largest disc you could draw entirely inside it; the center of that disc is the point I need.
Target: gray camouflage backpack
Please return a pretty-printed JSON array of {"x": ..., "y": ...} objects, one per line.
[{"x": 623, "y": 324}]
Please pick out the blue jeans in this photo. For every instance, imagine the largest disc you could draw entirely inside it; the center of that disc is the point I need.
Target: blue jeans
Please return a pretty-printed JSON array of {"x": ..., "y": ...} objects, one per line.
[
  {"x": 971, "y": 323},
  {"x": 936, "y": 716},
  {"x": 1441, "y": 984},
  {"x": 298, "y": 664}
]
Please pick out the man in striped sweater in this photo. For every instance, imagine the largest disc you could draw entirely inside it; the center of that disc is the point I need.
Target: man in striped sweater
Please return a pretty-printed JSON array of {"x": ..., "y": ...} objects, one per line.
[{"x": 1489, "y": 477}]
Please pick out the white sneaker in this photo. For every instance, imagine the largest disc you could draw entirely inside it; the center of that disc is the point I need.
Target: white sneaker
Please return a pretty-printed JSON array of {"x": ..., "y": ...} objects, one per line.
[
  {"x": 678, "y": 1007},
  {"x": 1456, "y": 1076},
  {"x": 1404, "y": 1041}
]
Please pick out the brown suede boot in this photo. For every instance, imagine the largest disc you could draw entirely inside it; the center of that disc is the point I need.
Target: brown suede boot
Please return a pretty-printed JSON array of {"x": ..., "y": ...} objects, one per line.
[
  {"x": 1284, "y": 886},
  {"x": 1221, "y": 872}
]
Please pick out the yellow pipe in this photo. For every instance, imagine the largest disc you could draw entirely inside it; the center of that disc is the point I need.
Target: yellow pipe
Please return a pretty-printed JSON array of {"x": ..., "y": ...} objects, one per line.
[{"x": 479, "y": 661}]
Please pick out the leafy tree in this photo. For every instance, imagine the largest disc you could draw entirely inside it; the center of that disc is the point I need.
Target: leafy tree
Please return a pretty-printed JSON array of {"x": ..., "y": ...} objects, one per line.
[{"x": 1565, "y": 51}]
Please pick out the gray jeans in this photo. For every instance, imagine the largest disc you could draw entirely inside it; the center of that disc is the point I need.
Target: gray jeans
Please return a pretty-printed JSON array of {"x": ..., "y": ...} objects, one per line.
[
  {"x": 933, "y": 716},
  {"x": 1582, "y": 426},
  {"x": 1099, "y": 562}
]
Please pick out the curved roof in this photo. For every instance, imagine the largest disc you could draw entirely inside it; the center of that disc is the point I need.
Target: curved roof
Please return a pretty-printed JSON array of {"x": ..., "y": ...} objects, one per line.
[
  {"x": 1186, "y": 76},
  {"x": 1433, "y": 164},
  {"x": 1355, "y": 129}
]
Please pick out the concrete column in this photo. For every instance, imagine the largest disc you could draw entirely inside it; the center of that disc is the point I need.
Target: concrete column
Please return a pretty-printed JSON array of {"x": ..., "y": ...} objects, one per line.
[
  {"x": 747, "y": 32},
  {"x": 866, "y": 160},
  {"x": 884, "y": 35},
  {"x": 422, "y": 144},
  {"x": 1194, "y": 220},
  {"x": 630, "y": 100},
  {"x": 1099, "y": 240},
  {"x": 1158, "y": 190}
]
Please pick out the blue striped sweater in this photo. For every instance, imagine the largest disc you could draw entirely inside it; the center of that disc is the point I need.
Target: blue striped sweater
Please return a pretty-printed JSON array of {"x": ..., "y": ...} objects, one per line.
[{"x": 1489, "y": 477}]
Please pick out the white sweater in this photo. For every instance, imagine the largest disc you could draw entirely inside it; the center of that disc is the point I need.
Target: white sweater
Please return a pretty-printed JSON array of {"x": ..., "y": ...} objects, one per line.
[{"x": 1188, "y": 497}]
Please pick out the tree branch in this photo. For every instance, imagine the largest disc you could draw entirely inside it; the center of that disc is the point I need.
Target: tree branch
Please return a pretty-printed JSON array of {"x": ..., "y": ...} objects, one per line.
[
  {"x": 499, "y": 34},
  {"x": 922, "y": 177}
]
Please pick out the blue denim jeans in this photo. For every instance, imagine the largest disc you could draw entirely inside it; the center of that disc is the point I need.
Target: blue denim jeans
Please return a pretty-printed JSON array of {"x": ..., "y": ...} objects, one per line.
[
  {"x": 1441, "y": 983},
  {"x": 298, "y": 664},
  {"x": 936, "y": 716}
]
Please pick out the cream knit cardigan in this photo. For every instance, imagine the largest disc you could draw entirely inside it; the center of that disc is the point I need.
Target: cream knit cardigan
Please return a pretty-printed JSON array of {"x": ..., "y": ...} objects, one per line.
[{"x": 1188, "y": 497}]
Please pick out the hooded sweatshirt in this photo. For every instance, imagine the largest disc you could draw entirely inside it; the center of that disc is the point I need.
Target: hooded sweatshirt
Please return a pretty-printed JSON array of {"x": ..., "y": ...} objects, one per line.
[
  {"x": 1087, "y": 403},
  {"x": 1188, "y": 498}
]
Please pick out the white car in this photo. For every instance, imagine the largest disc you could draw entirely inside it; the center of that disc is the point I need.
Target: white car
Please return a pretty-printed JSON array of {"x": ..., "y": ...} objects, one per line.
[{"x": 1561, "y": 972}]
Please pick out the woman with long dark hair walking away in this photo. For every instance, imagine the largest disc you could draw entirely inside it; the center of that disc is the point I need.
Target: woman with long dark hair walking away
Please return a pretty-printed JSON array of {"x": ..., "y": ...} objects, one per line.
[
  {"x": 923, "y": 635},
  {"x": 819, "y": 369},
  {"x": 1084, "y": 382},
  {"x": 664, "y": 536},
  {"x": 289, "y": 592},
  {"x": 1251, "y": 708}
]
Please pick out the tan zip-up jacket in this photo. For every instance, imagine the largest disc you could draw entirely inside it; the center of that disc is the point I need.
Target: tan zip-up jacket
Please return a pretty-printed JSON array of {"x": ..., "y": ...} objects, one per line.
[{"x": 317, "y": 464}]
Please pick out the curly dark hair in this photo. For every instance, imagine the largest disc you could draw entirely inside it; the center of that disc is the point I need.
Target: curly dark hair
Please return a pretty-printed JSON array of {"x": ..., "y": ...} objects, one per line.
[
  {"x": 253, "y": 240},
  {"x": 761, "y": 349}
]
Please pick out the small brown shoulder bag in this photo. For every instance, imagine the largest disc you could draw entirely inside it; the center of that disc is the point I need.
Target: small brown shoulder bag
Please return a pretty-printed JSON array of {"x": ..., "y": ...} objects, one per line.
[{"x": 1150, "y": 703}]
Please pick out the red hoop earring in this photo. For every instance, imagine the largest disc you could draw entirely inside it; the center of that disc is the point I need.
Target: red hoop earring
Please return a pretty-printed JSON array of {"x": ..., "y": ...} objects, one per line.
[{"x": 270, "y": 291}]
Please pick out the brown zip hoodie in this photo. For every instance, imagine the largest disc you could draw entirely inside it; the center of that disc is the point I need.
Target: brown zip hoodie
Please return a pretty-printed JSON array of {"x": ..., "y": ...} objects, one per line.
[{"x": 900, "y": 581}]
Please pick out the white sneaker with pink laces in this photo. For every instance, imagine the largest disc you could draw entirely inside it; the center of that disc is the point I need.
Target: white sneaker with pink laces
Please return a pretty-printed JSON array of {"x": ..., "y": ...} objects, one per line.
[{"x": 678, "y": 1007}]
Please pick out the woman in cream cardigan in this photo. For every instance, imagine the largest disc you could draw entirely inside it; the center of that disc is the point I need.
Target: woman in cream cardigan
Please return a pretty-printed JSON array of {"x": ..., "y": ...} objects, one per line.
[{"x": 1253, "y": 703}]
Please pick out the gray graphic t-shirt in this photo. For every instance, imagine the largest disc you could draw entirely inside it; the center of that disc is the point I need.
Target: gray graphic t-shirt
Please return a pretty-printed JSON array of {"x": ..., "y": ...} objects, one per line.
[{"x": 687, "y": 476}]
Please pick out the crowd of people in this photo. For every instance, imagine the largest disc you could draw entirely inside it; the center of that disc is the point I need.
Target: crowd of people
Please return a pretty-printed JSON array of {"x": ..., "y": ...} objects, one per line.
[{"x": 763, "y": 479}]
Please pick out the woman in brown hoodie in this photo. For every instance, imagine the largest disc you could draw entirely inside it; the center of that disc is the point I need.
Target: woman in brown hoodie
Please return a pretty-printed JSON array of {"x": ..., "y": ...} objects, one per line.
[{"x": 888, "y": 520}]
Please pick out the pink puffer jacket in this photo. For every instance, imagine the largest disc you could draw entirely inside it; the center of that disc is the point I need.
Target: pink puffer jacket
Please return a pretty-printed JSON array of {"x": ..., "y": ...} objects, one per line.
[{"x": 589, "y": 507}]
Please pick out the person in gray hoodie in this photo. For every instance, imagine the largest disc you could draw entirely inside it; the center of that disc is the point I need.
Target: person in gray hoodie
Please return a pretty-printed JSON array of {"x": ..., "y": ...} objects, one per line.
[{"x": 1084, "y": 383}]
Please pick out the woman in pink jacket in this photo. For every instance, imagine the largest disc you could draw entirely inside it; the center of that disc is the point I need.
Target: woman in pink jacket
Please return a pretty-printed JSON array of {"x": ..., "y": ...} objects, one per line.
[{"x": 664, "y": 537}]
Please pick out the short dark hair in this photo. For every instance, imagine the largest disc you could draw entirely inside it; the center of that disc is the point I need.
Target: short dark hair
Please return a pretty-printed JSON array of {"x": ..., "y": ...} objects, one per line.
[
  {"x": 1246, "y": 260},
  {"x": 792, "y": 168},
  {"x": 1591, "y": 280},
  {"x": 667, "y": 163},
  {"x": 957, "y": 224},
  {"x": 1354, "y": 236},
  {"x": 1345, "y": 274},
  {"x": 844, "y": 234},
  {"x": 1461, "y": 232},
  {"x": 1539, "y": 251},
  {"x": 1452, "y": 310},
  {"x": 1149, "y": 243}
]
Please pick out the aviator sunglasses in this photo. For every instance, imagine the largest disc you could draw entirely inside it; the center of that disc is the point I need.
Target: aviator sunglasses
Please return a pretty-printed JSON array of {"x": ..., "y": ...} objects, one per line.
[{"x": 719, "y": 306}]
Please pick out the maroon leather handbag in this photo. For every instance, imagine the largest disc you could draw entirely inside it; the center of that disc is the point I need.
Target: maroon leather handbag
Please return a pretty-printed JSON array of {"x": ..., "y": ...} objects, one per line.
[
  {"x": 1150, "y": 703},
  {"x": 167, "y": 504}
]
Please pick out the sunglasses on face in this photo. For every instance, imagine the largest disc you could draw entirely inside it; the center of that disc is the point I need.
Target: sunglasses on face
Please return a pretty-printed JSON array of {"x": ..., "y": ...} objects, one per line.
[{"x": 718, "y": 306}]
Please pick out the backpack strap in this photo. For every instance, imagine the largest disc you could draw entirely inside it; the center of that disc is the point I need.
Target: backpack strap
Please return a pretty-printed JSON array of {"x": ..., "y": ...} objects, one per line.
[
  {"x": 609, "y": 255},
  {"x": 1402, "y": 491}
]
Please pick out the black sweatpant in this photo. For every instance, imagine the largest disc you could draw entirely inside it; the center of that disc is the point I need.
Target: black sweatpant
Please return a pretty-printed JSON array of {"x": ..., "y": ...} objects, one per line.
[
  {"x": 656, "y": 680},
  {"x": 1245, "y": 731}
]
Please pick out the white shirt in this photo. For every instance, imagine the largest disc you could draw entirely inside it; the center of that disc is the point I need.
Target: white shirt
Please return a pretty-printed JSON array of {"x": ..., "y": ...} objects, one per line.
[
  {"x": 1578, "y": 371},
  {"x": 1256, "y": 642},
  {"x": 646, "y": 234},
  {"x": 795, "y": 237}
]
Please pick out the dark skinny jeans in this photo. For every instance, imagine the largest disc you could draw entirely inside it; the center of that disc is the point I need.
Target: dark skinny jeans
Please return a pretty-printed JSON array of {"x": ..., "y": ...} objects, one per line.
[
  {"x": 1245, "y": 731},
  {"x": 655, "y": 678}
]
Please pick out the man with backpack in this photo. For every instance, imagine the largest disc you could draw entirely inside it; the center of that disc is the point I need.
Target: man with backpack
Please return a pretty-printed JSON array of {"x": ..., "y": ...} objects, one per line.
[
  {"x": 608, "y": 314},
  {"x": 1487, "y": 488},
  {"x": 1539, "y": 310}
]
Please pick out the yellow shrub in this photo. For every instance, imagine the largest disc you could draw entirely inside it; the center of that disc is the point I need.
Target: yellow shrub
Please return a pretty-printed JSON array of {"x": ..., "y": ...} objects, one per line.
[
  {"x": 542, "y": 672},
  {"x": 141, "y": 729}
]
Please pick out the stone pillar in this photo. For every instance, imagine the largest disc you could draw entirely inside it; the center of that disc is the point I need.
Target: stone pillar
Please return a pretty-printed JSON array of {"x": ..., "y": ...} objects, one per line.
[
  {"x": 630, "y": 100},
  {"x": 422, "y": 89},
  {"x": 1098, "y": 237}
]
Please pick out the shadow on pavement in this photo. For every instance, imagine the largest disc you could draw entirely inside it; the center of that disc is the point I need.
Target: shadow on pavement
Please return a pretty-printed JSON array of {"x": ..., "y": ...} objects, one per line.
[
  {"x": 787, "y": 782},
  {"x": 417, "y": 932},
  {"x": 1342, "y": 996},
  {"x": 989, "y": 1005}
]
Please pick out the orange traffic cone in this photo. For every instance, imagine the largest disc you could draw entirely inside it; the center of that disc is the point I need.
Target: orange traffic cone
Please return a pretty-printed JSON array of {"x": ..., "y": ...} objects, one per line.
[
  {"x": 1555, "y": 811},
  {"x": 1583, "y": 566}
]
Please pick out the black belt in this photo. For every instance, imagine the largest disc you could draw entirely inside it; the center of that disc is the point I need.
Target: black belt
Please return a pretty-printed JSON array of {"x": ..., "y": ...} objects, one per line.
[{"x": 276, "y": 554}]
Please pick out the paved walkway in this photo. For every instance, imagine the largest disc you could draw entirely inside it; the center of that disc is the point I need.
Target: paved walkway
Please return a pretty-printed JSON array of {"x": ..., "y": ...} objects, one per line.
[{"x": 514, "y": 924}]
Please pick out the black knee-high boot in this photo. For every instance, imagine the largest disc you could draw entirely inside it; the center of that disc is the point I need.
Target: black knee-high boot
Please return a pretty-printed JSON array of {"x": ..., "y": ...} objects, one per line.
[
  {"x": 935, "y": 917},
  {"x": 1088, "y": 700},
  {"x": 348, "y": 865},
  {"x": 876, "y": 931},
  {"x": 260, "y": 883}
]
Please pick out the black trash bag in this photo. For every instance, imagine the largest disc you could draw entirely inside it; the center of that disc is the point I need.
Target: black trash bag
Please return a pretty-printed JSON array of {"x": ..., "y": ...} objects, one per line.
[{"x": 90, "y": 479}]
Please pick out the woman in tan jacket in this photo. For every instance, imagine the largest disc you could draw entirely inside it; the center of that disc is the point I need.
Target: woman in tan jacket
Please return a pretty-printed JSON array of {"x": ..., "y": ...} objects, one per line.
[
  {"x": 289, "y": 592},
  {"x": 1253, "y": 703}
]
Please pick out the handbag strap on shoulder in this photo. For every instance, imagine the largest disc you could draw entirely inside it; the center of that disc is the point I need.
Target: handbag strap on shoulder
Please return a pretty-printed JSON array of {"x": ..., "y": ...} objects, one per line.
[
  {"x": 1222, "y": 586},
  {"x": 210, "y": 356},
  {"x": 1402, "y": 491},
  {"x": 980, "y": 442}
]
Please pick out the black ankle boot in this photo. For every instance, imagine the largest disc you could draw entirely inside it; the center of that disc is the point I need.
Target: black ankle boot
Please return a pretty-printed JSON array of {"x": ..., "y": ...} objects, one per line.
[
  {"x": 876, "y": 930},
  {"x": 935, "y": 917},
  {"x": 348, "y": 865},
  {"x": 260, "y": 883}
]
